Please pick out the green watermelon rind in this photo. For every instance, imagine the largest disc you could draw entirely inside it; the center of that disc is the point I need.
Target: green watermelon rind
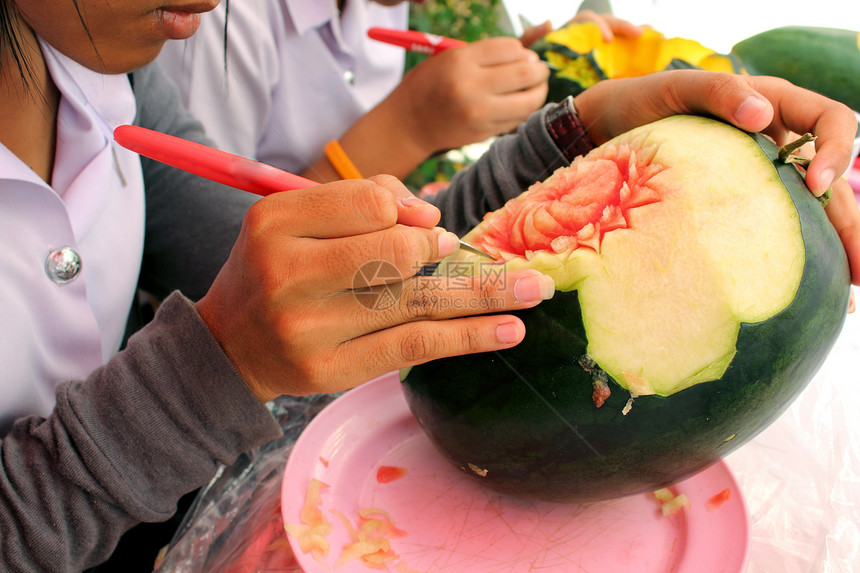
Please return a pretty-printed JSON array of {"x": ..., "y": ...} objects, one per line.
[{"x": 824, "y": 60}]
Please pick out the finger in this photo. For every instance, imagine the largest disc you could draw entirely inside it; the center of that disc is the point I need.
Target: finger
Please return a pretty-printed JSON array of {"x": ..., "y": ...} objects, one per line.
[
  {"x": 748, "y": 102},
  {"x": 512, "y": 77},
  {"x": 624, "y": 28},
  {"x": 411, "y": 210},
  {"x": 336, "y": 209},
  {"x": 406, "y": 345},
  {"x": 605, "y": 28},
  {"x": 416, "y": 343},
  {"x": 440, "y": 298},
  {"x": 775, "y": 106},
  {"x": 341, "y": 263},
  {"x": 612, "y": 107},
  {"x": 586, "y": 15},
  {"x": 509, "y": 110},
  {"x": 355, "y": 361},
  {"x": 534, "y": 33},
  {"x": 493, "y": 51},
  {"x": 610, "y": 26},
  {"x": 802, "y": 111},
  {"x": 844, "y": 215},
  {"x": 726, "y": 96}
]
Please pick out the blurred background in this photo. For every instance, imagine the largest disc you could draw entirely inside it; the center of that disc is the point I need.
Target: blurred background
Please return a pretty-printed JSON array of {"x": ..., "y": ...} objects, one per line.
[{"x": 718, "y": 25}]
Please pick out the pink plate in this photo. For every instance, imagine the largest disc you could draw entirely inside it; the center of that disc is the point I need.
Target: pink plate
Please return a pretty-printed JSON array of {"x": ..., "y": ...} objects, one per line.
[{"x": 453, "y": 524}]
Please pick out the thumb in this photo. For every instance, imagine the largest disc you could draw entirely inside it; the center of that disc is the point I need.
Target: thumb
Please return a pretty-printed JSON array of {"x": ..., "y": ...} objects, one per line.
[{"x": 411, "y": 210}]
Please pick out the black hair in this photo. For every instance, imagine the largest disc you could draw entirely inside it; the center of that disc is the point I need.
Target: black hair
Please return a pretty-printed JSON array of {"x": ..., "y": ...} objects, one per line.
[
  {"x": 10, "y": 40},
  {"x": 226, "y": 20}
]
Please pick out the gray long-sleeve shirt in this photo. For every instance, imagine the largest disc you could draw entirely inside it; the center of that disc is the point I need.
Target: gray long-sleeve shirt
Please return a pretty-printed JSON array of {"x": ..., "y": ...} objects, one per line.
[{"x": 122, "y": 446}]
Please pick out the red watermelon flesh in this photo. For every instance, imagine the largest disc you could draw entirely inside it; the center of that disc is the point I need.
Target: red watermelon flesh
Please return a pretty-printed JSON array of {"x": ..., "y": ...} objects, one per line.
[{"x": 552, "y": 218}]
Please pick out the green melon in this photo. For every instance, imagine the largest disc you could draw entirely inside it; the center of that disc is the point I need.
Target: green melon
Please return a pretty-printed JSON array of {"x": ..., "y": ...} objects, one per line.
[
  {"x": 700, "y": 287},
  {"x": 825, "y": 60}
]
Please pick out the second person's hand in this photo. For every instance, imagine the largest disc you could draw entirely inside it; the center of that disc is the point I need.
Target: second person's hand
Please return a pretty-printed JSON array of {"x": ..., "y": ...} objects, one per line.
[
  {"x": 468, "y": 94},
  {"x": 461, "y": 96}
]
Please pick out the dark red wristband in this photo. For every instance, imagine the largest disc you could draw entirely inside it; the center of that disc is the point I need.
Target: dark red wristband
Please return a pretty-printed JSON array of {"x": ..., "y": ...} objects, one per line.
[{"x": 566, "y": 131}]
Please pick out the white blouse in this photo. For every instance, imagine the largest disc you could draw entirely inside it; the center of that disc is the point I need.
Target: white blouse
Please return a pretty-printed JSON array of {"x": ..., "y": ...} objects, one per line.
[
  {"x": 54, "y": 330},
  {"x": 297, "y": 74}
]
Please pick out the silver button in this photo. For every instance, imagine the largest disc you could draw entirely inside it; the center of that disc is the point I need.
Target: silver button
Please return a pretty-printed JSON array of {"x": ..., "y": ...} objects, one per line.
[
  {"x": 349, "y": 77},
  {"x": 63, "y": 265}
]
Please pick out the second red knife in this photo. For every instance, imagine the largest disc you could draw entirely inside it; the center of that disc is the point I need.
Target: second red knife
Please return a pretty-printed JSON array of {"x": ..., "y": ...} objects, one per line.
[{"x": 414, "y": 41}]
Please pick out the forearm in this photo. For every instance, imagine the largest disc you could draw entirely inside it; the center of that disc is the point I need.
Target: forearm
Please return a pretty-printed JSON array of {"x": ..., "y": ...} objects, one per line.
[
  {"x": 383, "y": 141},
  {"x": 124, "y": 445}
]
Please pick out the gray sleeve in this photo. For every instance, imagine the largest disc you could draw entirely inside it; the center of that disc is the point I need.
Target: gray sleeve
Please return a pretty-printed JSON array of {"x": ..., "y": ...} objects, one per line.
[
  {"x": 124, "y": 445},
  {"x": 507, "y": 169},
  {"x": 191, "y": 222}
]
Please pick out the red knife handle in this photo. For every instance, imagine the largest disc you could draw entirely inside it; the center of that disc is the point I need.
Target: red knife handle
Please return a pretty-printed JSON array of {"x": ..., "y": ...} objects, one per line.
[
  {"x": 414, "y": 41},
  {"x": 227, "y": 168}
]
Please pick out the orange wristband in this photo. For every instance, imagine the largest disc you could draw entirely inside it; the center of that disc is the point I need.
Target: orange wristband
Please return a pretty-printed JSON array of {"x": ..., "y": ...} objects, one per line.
[{"x": 340, "y": 161}]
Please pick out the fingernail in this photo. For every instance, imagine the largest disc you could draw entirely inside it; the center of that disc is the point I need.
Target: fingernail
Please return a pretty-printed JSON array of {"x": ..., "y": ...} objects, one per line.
[
  {"x": 852, "y": 306},
  {"x": 509, "y": 332},
  {"x": 750, "y": 109},
  {"x": 532, "y": 288},
  {"x": 827, "y": 177},
  {"x": 413, "y": 201},
  {"x": 448, "y": 242}
]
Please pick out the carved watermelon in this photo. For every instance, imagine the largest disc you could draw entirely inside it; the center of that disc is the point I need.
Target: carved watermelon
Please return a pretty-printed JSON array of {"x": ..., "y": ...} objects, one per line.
[{"x": 700, "y": 288}]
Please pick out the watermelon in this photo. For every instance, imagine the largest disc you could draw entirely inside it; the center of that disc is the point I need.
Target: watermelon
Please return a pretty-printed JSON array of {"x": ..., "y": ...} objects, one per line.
[
  {"x": 824, "y": 60},
  {"x": 700, "y": 286}
]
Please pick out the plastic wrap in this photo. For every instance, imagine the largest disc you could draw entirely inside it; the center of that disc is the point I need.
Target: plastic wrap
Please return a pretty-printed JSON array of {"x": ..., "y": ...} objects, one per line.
[
  {"x": 801, "y": 476},
  {"x": 235, "y": 522},
  {"x": 800, "y": 479}
]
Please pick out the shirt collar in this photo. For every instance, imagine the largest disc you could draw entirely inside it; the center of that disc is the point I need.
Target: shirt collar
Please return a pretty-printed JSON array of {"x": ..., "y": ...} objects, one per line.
[
  {"x": 106, "y": 100},
  {"x": 110, "y": 96},
  {"x": 92, "y": 106},
  {"x": 310, "y": 14}
]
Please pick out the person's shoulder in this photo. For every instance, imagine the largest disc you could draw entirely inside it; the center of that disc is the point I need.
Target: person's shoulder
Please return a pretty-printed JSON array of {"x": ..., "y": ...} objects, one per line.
[{"x": 151, "y": 81}]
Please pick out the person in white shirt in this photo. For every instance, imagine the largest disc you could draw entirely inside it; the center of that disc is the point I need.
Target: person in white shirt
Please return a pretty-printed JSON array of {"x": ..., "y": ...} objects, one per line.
[
  {"x": 277, "y": 80},
  {"x": 296, "y": 74}
]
